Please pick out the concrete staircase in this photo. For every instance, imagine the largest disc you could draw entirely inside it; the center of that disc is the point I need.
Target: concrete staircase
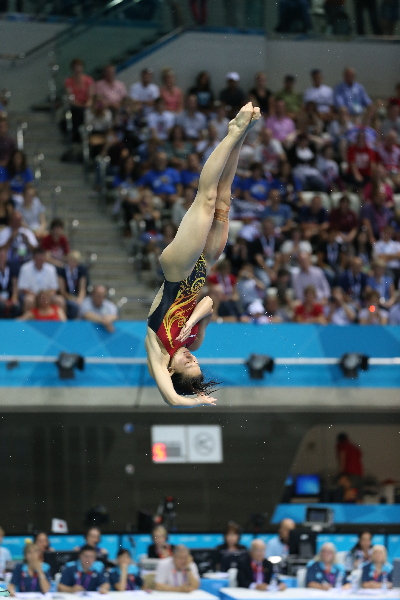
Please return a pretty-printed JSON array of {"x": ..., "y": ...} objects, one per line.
[{"x": 94, "y": 233}]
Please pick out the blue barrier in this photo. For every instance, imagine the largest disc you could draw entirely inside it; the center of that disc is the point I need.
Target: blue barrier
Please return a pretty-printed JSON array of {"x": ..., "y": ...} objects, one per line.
[
  {"x": 227, "y": 340},
  {"x": 343, "y": 513}
]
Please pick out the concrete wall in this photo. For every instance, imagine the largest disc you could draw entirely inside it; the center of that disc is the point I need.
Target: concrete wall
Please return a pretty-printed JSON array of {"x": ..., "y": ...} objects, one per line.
[{"x": 376, "y": 63}]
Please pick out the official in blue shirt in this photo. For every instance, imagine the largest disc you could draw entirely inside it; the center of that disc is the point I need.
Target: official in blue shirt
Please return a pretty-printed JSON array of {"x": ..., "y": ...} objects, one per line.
[
  {"x": 351, "y": 94},
  {"x": 378, "y": 572},
  {"x": 17, "y": 173},
  {"x": 279, "y": 545},
  {"x": 32, "y": 575},
  {"x": 323, "y": 573},
  {"x": 162, "y": 180},
  {"x": 125, "y": 577},
  {"x": 256, "y": 187},
  {"x": 84, "y": 574}
]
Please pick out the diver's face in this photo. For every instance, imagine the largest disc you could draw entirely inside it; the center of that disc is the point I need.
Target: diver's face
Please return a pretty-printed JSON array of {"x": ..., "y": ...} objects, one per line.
[{"x": 184, "y": 362}]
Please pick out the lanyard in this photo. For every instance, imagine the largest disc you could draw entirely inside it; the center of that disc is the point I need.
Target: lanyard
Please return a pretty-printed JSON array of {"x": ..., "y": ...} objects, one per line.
[
  {"x": 34, "y": 581},
  {"x": 330, "y": 577},
  {"x": 88, "y": 576},
  {"x": 225, "y": 283},
  {"x": 175, "y": 574},
  {"x": 267, "y": 245},
  {"x": 332, "y": 252},
  {"x": 72, "y": 279},
  {"x": 257, "y": 571},
  {"x": 4, "y": 279}
]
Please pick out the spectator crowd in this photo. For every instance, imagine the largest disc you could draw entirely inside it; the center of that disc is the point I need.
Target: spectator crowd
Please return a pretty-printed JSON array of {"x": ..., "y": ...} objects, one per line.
[{"x": 315, "y": 218}]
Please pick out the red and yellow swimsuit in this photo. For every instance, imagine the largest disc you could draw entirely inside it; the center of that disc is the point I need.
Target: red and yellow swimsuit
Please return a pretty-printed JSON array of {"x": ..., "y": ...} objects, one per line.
[{"x": 177, "y": 304}]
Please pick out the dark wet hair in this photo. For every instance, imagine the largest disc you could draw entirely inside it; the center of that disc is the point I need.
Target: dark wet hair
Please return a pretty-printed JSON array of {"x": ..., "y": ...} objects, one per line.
[{"x": 185, "y": 385}]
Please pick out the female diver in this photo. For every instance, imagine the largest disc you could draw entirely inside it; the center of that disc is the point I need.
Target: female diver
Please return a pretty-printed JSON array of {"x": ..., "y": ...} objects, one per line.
[{"x": 176, "y": 324}]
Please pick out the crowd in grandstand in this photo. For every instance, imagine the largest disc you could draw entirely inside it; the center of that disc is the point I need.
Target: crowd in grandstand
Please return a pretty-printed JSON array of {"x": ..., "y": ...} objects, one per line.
[
  {"x": 365, "y": 565},
  {"x": 315, "y": 218}
]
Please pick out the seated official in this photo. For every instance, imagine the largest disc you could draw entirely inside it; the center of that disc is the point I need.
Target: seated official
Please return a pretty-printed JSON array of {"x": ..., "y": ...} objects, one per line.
[
  {"x": 255, "y": 571},
  {"x": 160, "y": 547},
  {"x": 279, "y": 545},
  {"x": 32, "y": 575},
  {"x": 230, "y": 551},
  {"x": 177, "y": 573},
  {"x": 125, "y": 577},
  {"x": 378, "y": 571},
  {"x": 41, "y": 540},
  {"x": 85, "y": 574},
  {"x": 323, "y": 573},
  {"x": 93, "y": 539},
  {"x": 361, "y": 552}
]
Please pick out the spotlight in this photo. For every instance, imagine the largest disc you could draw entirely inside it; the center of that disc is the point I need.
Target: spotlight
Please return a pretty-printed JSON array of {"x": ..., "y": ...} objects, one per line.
[
  {"x": 257, "y": 364},
  {"x": 66, "y": 363},
  {"x": 351, "y": 362}
]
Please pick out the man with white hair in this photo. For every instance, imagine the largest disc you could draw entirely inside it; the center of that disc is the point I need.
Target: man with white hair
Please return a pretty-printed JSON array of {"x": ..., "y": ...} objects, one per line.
[
  {"x": 324, "y": 573},
  {"x": 177, "y": 573},
  {"x": 254, "y": 570},
  {"x": 279, "y": 545}
]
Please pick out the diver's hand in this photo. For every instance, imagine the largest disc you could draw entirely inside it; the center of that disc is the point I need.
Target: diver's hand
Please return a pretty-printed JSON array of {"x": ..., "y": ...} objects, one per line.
[
  {"x": 203, "y": 400},
  {"x": 185, "y": 331}
]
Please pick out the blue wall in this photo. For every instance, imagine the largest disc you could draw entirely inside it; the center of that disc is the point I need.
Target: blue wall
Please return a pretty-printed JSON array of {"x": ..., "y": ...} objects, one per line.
[
  {"x": 222, "y": 341},
  {"x": 343, "y": 513}
]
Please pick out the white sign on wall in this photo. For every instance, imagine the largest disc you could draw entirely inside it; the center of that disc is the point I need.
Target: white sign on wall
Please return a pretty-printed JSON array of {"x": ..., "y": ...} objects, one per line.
[{"x": 186, "y": 443}]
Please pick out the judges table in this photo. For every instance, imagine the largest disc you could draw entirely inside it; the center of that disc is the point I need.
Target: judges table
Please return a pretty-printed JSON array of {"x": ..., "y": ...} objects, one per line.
[
  {"x": 306, "y": 594},
  {"x": 197, "y": 595}
]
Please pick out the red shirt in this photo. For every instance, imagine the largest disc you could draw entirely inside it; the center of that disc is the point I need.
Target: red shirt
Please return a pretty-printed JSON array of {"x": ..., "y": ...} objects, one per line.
[
  {"x": 81, "y": 90},
  {"x": 52, "y": 316},
  {"x": 352, "y": 458},
  {"x": 343, "y": 222},
  {"x": 59, "y": 249},
  {"x": 362, "y": 158},
  {"x": 304, "y": 313}
]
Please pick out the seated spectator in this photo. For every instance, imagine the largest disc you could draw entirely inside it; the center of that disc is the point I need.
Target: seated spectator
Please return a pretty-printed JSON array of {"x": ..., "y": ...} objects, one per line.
[
  {"x": 220, "y": 120},
  {"x": 85, "y": 574},
  {"x": 230, "y": 551},
  {"x": 354, "y": 281},
  {"x": 160, "y": 548},
  {"x": 378, "y": 571},
  {"x": 351, "y": 94},
  {"x": 100, "y": 119},
  {"x": 9, "y": 301},
  {"x": 32, "y": 575},
  {"x": 281, "y": 125},
  {"x": 389, "y": 155},
  {"x": 279, "y": 545},
  {"x": 177, "y": 573},
  {"x": 361, "y": 159},
  {"x": 255, "y": 187},
  {"x": 110, "y": 89},
  {"x": 6, "y": 205},
  {"x": 313, "y": 220},
  {"x": 203, "y": 92},
  {"x": 191, "y": 119},
  {"x": 269, "y": 152},
  {"x": 56, "y": 243},
  {"x": 288, "y": 185},
  {"x": 178, "y": 146},
  {"x": 323, "y": 572},
  {"x": 373, "y": 314},
  {"x": 222, "y": 284},
  {"x": 5, "y": 554},
  {"x": 7, "y": 143},
  {"x": 162, "y": 180},
  {"x": 72, "y": 283},
  {"x": 346, "y": 492},
  {"x": 191, "y": 174},
  {"x": 41, "y": 540},
  {"x": 97, "y": 309},
  {"x": 381, "y": 183},
  {"x": 93, "y": 539},
  {"x": 145, "y": 91},
  {"x": 310, "y": 275},
  {"x": 392, "y": 121},
  {"x": 80, "y": 89},
  {"x": 182, "y": 205},
  {"x": 338, "y": 128},
  {"x": 275, "y": 313},
  {"x": 44, "y": 310},
  {"x": 344, "y": 220},
  {"x": 173, "y": 96},
  {"x": 126, "y": 180},
  {"x": 250, "y": 288},
  {"x": 363, "y": 247},
  {"x": 309, "y": 311},
  {"x": 145, "y": 221},
  {"x": 337, "y": 311},
  {"x": 303, "y": 156},
  {"x": 260, "y": 95},
  {"x": 33, "y": 212},
  {"x": 129, "y": 124},
  {"x": 263, "y": 249},
  {"x": 17, "y": 173},
  {"x": 294, "y": 246},
  {"x": 238, "y": 254},
  {"x": 233, "y": 95},
  {"x": 19, "y": 241},
  {"x": 255, "y": 571},
  {"x": 375, "y": 216},
  {"x": 329, "y": 168},
  {"x": 310, "y": 123},
  {"x": 319, "y": 93},
  {"x": 331, "y": 254},
  {"x": 361, "y": 552},
  {"x": 292, "y": 99},
  {"x": 394, "y": 313},
  {"x": 206, "y": 146},
  {"x": 281, "y": 214},
  {"x": 160, "y": 121},
  {"x": 382, "y": 283},
  {"x": 126, "y": 575}
]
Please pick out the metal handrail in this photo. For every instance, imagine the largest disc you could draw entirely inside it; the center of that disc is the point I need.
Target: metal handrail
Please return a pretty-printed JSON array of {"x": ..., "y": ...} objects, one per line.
[
  {"x": 54, "y": 201},
  {"x": 21, "y": 128}
]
